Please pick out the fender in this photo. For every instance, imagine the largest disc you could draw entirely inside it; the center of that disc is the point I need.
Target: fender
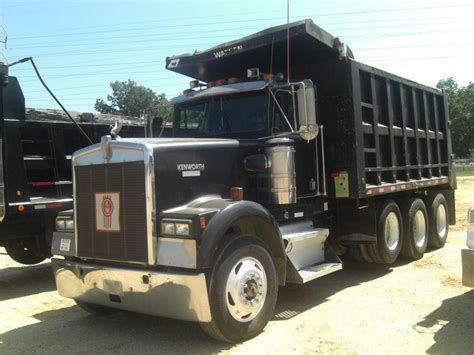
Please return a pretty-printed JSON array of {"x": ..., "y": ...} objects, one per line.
[{"x": 250, "y": 218}]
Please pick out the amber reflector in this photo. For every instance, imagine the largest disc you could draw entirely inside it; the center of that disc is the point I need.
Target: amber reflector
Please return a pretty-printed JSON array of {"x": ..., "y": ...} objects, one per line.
[
  {"x": 236, "y": 193},
  {"x": 202, "y": 222}
]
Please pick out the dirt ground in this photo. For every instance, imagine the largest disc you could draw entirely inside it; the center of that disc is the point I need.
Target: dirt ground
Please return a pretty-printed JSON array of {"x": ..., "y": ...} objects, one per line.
[{"x": 411, "y": 307}]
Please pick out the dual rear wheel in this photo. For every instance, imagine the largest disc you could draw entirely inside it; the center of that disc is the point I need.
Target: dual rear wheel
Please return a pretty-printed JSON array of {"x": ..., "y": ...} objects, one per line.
[{"x": 406, "y": 231}]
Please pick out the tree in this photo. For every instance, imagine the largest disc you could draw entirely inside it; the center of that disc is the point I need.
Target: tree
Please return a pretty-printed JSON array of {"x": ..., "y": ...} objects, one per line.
[
  {"x": 461, "y": 113},
  {"x": 130, "y": 99}
]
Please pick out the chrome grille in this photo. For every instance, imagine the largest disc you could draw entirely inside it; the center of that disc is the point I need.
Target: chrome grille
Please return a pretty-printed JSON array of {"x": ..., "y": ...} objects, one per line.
[{"x": 126, "y": 181}]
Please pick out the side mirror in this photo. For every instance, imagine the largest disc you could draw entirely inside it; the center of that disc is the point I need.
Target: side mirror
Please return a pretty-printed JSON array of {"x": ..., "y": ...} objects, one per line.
[{"x": 307, "y": 110}]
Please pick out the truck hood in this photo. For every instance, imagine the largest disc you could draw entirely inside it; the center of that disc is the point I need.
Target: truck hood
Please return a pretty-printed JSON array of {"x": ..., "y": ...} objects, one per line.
[{"x": 183, "y": 168}]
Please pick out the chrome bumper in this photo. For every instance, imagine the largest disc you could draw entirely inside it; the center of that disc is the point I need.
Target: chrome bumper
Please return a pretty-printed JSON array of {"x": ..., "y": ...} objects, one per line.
[
  {"x": 467, "y": 257},
  {"x": 172, "y": 295}
]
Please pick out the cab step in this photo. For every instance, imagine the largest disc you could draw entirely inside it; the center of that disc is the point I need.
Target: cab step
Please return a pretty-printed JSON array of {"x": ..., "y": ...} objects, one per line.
[
  {"x": 316, "y": 271},
  {"x": 305, "y": 248}
]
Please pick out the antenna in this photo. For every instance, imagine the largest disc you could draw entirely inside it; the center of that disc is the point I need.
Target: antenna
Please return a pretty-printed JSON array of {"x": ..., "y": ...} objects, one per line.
[
  {"x": 5, "y": 39},
  {"x": 271, "y": 56},
  {"x": 288, "y": 40}
]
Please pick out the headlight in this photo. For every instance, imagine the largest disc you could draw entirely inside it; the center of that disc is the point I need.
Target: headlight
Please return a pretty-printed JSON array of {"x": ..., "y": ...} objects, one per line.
[
  {"x": 64, "y": 224},
  {"x": 168, "y": 228},
  {"x": 180, "y": 228},
  {"x": 69, "y": 224},
  {"x": 60, "y": 224}
]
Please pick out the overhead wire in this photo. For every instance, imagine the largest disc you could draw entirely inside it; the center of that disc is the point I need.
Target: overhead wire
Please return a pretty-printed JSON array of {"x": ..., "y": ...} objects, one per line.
[
  {"x": 166, "y": 38},
  {"x": 181, "y": 25},
  {"x": 115, "y": 70}
]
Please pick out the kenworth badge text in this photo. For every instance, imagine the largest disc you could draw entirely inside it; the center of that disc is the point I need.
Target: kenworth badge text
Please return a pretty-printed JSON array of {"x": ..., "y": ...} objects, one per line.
[{"x": 265, "y": 181}]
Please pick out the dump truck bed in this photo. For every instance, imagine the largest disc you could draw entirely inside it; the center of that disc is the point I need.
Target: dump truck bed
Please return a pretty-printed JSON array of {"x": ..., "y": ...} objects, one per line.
[{"x": 383, "y": 133}]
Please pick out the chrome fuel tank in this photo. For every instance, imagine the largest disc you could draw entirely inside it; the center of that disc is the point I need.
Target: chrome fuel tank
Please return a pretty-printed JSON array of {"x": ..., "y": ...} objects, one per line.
[{"x": 281, "y": 173}]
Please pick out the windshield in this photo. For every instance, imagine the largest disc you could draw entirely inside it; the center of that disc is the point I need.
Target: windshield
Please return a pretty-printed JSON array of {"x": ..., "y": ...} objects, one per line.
[{"x": 225, "y": 116}]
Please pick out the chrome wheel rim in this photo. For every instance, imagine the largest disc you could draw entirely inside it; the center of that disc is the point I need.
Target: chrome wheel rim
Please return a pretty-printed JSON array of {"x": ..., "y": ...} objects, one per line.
[
  {"x": 419, "y": 229},
  {"x": 246, "y": 289},
  {"x": 441, "y": 221},
  {"x": 392, "y": 231}
]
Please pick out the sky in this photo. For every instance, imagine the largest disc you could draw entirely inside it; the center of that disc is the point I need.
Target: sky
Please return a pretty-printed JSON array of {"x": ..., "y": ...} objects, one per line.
[{"x": 80, "y": 46}]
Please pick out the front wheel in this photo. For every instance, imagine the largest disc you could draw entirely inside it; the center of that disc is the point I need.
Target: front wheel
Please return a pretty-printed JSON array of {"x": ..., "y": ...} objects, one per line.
[{"x": 243, "y": 292}]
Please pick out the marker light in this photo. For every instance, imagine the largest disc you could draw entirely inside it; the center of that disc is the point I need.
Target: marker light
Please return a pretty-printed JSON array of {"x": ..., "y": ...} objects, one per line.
[
  {"x": 253, "y": 73},
  {"x": 236, "y": 193},
  {"x": 202, "y": 222}
]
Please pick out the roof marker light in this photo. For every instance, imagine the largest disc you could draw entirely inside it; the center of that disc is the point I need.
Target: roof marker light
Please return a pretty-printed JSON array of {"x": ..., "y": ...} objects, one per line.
[{"x": 253, "y": 73}]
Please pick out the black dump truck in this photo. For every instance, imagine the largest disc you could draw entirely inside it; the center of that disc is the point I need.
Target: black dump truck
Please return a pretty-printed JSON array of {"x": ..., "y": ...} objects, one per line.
[
  {"x": 276, "y": 168},
  {"x": 35, "y": 169}
]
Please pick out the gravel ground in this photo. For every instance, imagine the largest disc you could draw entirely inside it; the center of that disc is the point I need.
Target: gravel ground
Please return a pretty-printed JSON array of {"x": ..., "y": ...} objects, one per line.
[{"x": 411, "y": 307}]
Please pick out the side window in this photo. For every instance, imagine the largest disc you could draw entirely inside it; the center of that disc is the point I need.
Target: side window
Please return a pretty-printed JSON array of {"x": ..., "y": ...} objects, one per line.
[{"x": 192, "y": 119}]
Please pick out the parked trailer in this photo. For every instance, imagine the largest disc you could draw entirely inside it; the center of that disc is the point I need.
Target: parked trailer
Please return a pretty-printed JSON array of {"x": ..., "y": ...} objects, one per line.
[
  {"x": 270, "y": 176},
  {"x": 35, "y": 170}
]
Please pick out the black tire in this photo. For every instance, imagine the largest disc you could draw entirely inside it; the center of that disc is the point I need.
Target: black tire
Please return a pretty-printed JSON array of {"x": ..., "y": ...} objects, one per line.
[
  {"x": 360, "y": 254},
  {"x": 95, "y": 309},
  {"x": 224, "y": 326},
  {"x": 415, "y": 229},
  {"x": 24, "y": 252},
  {"x": 364, "y": 252},
  {"x": 387, "y": 251},
  {"x": 438, "y": 234},
  {"x": 355, "y": 253}
]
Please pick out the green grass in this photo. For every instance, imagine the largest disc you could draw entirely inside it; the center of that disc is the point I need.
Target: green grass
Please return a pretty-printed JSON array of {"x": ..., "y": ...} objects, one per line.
[{"x": 460, "y": 173}]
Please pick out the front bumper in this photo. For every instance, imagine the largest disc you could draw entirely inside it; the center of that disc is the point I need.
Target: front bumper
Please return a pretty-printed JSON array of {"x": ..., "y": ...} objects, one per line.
[
  {"x": 467, "y": 256},
  {"x": 173, "y": 295}
]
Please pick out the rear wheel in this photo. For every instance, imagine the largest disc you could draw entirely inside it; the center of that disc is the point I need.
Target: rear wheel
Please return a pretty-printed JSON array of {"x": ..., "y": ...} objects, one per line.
[
  {"x": 389, "y": 234},
  {"x": 364, "y": 251},
  {"x": 438, "y": 216},
  {"x": 415, "y": 226},
  {"x": 360, "y": 253},
  {"x": 24, "y": 252},
  {"x": 96, "y": 309},
  {"x": 243, "y": 292},
  {"x": 355, "y": 253}
]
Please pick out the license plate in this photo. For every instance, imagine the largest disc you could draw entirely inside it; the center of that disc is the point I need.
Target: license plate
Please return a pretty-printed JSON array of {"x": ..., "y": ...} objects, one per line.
[{"x": 65, "y": 245}]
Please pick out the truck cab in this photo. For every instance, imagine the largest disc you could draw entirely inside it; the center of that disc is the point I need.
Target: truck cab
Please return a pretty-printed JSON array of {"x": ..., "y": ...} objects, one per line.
[{"x": 216, "y": 209}]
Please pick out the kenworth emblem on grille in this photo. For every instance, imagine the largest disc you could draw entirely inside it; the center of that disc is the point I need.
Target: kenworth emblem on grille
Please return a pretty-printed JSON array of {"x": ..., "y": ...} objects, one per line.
[{"x": 107, "y": 211}]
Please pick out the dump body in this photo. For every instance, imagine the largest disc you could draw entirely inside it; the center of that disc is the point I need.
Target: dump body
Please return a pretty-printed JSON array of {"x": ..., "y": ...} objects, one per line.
[{"x": 383, "y": 133}]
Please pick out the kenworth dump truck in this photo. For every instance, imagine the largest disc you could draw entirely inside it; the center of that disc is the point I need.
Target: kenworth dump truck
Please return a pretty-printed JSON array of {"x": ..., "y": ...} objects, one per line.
[
  {"x": 35, "y": 170},
  {"x": 269, "y": 178}
]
